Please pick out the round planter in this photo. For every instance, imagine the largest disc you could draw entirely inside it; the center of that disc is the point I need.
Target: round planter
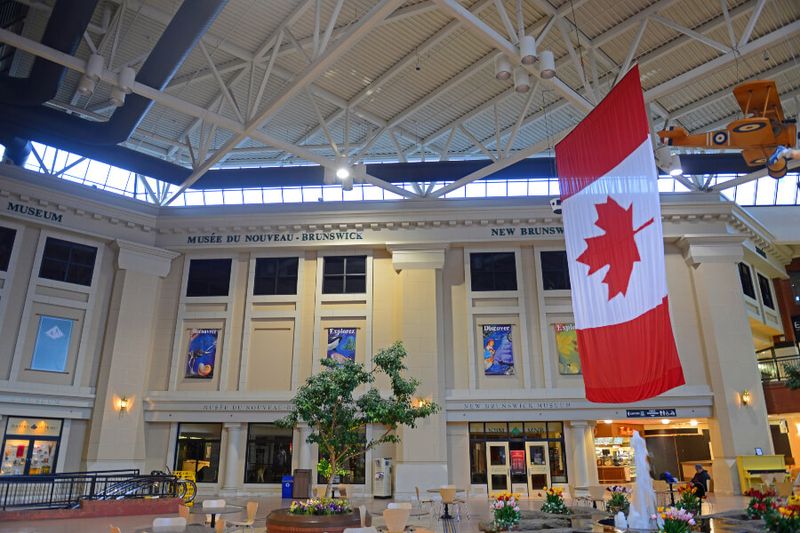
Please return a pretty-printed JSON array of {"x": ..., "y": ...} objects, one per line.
[{"x": 281, "y": 521}]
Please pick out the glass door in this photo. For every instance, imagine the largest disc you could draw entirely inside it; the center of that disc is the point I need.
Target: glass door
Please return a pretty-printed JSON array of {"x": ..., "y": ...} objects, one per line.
[
  {"x": 538, "y": 466},
  {"x": 499, "y": 477},
  {"x": 43, "y": 457}
]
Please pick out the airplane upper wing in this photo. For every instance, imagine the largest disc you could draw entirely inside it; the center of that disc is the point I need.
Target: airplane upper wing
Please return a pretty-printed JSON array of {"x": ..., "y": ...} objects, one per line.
[{"x": 759, "y": 98}]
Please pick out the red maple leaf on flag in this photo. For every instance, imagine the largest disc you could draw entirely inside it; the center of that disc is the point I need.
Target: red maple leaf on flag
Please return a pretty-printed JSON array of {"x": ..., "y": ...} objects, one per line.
[{"x": 615, "y": 248}]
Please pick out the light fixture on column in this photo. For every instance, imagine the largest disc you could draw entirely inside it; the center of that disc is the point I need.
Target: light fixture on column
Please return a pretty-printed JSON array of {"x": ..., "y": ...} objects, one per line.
[
  {"x": 675, "y": 167},
  {"x": 502, "y": 67},
  {"x": 527, "y": 50},
  {"x": 522, "y": 81},
  {"x": 123, "y": 404},
  {"x": 746, "y": 397},
  {"x": 547, "y": 69}
]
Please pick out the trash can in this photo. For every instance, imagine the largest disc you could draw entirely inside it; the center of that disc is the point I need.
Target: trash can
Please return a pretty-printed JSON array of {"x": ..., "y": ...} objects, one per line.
[
  {"x": 302, "y": 483},
  {"x": 287, "y": 485}
]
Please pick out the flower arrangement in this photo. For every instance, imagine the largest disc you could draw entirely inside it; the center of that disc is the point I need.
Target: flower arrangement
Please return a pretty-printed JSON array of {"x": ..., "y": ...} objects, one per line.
[
  {"x": 786, "y": 519},
  {"x": 320, "y": 506},
  {"x": 554, "y": 501},
  {"x": 505, "y": 510},
  {"x": 761, "y": 503},
  {"x": 675, "y": 520},
  {"x": 689, "y": 500},
  {"x": 619, "y": 499}
]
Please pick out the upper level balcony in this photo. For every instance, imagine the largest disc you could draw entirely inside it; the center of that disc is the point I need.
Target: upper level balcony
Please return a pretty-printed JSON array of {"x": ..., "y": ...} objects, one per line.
[{"x": 774, "y": 363}]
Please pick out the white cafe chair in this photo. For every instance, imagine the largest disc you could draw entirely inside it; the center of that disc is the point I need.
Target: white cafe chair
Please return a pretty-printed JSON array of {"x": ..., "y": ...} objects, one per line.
[{"x": 164, "y": 525}]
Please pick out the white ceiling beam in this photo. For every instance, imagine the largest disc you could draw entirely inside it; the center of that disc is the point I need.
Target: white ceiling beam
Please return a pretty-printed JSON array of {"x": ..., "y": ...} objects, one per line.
[
  {"x": 751, "y": 23},
  {"x": 498, "y": 165},
  {"x": 740, "y": 180},
  {"x": 728, "y": 22},
  {"x": 721, "y": 123},
  {"x": 222, "y": 87},
  {"x": 501, "y": 10},
  {"x": 329, "y": 28},
  {"x": 477, "y": 143},
  {"x": 632, "y": 50},
  {"x": 707, "y": 68},
  {"x": 495, "y": 40},
  {"x": 691, "y": 33},
  {"x": 513, "y": 136},
  {"x": 576, "y": 61},
  {"x": 359, "y": 30}
]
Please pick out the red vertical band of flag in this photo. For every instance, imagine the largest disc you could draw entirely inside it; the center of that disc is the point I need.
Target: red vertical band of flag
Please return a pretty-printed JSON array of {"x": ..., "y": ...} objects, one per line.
[{"x": 615, "y": 250}]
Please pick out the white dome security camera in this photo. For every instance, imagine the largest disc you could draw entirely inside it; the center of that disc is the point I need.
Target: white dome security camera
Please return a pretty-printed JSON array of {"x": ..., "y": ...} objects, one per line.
[{"x": 555, "y": 205}]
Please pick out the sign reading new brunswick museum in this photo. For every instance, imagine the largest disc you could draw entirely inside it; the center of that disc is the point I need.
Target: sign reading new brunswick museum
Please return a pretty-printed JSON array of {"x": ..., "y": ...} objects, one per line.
[{"x": 366, "y": 236}]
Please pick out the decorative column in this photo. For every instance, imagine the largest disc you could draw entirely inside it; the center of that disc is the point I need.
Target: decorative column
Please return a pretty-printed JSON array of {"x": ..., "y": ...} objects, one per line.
[
  {"x": 581, "y": 471},
  {"x": 305, "y": 455},
  {"x": 116, "y": 439},
  {"x": 422, "y": 453},
  {"x": 736, "y": 429},
  {"x": 233, "y": 470}
]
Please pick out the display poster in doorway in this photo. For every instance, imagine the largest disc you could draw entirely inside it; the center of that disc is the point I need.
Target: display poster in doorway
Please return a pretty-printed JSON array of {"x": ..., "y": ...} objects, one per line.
[
  {"x": 341, "y": 344},
  {"x": 202, "y": 353},
  {"x": 498, "y": 353},
  {"x": 517, "y": 462},
  {"x": 569, "y": 363}
]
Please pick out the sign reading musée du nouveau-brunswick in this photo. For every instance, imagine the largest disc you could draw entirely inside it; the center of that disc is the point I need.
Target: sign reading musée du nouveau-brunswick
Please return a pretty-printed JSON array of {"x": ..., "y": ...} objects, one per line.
[{"x": 368, "y": 236}]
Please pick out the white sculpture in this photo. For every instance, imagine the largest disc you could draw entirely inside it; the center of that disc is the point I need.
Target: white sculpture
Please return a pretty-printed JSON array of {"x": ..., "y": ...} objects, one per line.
[{"x": 643, "y": 503}]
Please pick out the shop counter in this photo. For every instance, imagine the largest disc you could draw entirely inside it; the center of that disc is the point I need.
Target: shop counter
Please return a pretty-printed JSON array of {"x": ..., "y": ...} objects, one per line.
[{"x": 614, "y": 474}]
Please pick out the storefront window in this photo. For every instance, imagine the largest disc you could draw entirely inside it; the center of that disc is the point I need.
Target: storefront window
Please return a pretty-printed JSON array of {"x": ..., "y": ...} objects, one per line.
[
  {"x": 516, "y": 434},
  {"x": 198, "y": 450},
  {"x": 356, "y": 468},
  {"x": 30, "y": 446},
  {"x": 269, "y": 453}
]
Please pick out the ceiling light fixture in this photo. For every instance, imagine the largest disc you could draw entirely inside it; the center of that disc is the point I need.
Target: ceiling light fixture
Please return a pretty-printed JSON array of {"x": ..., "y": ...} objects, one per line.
[
  {"x": 607, "y": 421},
  {"x": 88, "y": 82},
  {"x": 343, "y": 173},
  {"x": 665, "y": 421},
  {"x": 527, "y": 50},
  {"x": 693, "y": 423},
  {"x": 522, "y": 81},
  {"x": 502, "y": 67},
  {"x": 675, "y": 167},
  {"x": 548, "y": 65}
]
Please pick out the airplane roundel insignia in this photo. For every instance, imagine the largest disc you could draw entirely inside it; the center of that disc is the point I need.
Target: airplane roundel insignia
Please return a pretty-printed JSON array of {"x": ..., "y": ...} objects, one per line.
[
  {"x": 720, "y": 137},
  {"x": 751, "y": 126}
]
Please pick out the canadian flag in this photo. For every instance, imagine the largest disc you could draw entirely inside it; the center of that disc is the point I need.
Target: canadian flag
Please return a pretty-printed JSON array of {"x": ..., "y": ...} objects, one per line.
[{"x": 615, "y": 250}]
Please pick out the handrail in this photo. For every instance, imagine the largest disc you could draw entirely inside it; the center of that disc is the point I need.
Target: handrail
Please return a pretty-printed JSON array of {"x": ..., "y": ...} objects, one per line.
[
  {"x": 67, "y": 490},
  {"x": 773, "y": 367}
]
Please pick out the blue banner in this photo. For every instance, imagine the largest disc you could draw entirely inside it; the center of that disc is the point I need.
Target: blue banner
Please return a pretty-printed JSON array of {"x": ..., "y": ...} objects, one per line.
[
  {"x": 342, "y": 344},
  {"x": 498, "y": 352},
  {"x": 202, "y": 353},
  {"x": 52, "y": 344}
]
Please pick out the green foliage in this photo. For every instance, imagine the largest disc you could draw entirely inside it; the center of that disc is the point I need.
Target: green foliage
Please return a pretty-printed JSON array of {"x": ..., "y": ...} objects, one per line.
[
  {"x": 792, "y": 376},
  {"x": 337, "y": 415}
]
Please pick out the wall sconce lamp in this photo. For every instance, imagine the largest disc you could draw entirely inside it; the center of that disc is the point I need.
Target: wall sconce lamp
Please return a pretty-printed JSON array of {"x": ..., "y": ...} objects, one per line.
[
  {"x": 123, "y": 405},
  {"x": 746, "y": 397}
]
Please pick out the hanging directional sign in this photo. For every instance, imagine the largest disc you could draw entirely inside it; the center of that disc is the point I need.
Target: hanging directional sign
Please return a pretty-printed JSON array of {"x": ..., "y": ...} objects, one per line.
[{"x": 650, "y": 413}]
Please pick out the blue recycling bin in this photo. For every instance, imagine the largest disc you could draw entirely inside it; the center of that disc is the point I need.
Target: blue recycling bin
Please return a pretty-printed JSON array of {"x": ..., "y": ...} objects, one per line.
[{"x": 287, "y": 485}]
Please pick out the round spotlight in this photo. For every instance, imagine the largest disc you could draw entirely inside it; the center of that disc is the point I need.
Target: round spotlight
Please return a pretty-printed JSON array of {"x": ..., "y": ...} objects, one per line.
[
  {"x": 522, "y": 81},
  {"x": 527, "y": 50},
  {"x": 548, "y": 65},
  {"x": 693, "y": 423},
  {"x": 86, "y": 86},
  {"x": 665, "y": 421},
  {"x": 502, "y": 68},
  {"x": 607, "y": 421},
  {"x": 342, "y": 173}
]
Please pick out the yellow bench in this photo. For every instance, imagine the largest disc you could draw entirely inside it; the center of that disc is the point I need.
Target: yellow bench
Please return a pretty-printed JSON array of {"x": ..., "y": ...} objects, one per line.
[{"x": 753, "y": 469}]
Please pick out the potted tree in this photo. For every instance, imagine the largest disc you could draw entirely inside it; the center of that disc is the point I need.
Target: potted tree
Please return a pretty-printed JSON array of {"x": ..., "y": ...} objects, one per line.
[{"x": 337, "y": 404}]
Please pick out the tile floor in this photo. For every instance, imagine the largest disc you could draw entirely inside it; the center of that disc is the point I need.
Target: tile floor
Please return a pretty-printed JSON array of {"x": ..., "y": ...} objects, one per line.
[{"x": 478, "y": 510}]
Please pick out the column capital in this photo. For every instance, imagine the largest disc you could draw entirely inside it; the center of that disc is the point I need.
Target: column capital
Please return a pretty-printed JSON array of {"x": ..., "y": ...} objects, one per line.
[
  {"x": 417, "y": 257},
  {"x": 581, "y": 423},
  {"x": 232, "y": 426},
  {"x": 144, "y": 259},
  {"x": 699, "y": 249}
]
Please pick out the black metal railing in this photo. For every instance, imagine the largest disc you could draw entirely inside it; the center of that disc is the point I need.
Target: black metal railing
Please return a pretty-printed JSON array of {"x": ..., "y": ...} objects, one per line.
[
  {"x": 66, "y": 490},
  {"x": 773, "y": 365}
]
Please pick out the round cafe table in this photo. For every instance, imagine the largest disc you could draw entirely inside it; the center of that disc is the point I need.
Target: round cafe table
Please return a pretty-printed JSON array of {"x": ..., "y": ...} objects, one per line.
[
  {"x": 214, "y": 511},
  {"x": 446, "y": 515}
]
